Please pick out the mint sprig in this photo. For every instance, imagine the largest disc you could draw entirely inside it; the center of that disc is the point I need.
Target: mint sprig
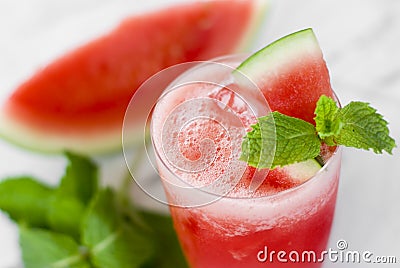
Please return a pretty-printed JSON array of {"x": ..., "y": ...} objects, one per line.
[
  {"x": 280, "y": 140},
  {"x": 82, "y": 225}
]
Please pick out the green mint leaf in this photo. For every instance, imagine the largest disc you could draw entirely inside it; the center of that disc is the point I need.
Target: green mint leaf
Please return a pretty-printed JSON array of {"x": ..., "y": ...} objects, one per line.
[
  {"x": 293, "y": 140},
  {"x": 168, "y": 252},
  {"x": 77, "y": 186},
  {"x": 113, "y": 243},
  {"x": 364, "y": 128},
  {"x": 42, "y": 248},
  {"x": 25, "y": 200},
  {"x": 80, "y": 179},
  {"x": 65, "y": 215},
  {"x": 254, "y": 142},
  {"x": 327, "y": 121}
]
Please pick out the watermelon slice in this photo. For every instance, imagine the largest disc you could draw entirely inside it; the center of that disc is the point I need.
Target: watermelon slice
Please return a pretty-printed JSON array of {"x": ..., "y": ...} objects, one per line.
[
  {"x": 78, "y": 102},
  {"x": 291, "y": 74}
]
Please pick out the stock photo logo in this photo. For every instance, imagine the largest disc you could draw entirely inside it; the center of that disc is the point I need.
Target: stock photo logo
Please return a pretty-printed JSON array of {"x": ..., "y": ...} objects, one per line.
[
  {"x": 197, "y": 116},
  {"x": 341, "y": 254}
]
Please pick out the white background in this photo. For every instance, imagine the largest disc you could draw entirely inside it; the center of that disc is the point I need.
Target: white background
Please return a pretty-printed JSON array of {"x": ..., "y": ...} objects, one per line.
[{"x": 360, "y": 40}]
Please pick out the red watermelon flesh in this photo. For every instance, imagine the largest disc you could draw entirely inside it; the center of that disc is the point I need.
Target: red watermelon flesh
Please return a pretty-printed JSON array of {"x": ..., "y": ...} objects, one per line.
[
  {"x": 291, "y": 73},
  {"x": 83, "y": 95},
  {"x": 296, "y": 91}
]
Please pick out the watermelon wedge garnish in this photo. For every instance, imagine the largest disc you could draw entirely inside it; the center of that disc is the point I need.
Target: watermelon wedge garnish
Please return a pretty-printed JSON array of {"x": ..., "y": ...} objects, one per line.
[
  {"x": 292, "y": 75},
  {"x": 78, "y": 101}
]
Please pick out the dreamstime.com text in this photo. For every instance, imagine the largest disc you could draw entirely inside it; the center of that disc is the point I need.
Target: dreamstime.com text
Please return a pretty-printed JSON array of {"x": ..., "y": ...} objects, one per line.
[{"x": 339, "y": 255}]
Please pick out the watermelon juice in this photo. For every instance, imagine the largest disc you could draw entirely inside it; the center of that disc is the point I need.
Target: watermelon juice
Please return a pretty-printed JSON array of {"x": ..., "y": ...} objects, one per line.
[{"x": 197, "y": 131}]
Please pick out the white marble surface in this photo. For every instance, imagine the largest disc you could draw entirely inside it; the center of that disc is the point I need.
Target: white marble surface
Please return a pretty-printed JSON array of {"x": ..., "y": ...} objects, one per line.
[{"x": 360, "y": 40}]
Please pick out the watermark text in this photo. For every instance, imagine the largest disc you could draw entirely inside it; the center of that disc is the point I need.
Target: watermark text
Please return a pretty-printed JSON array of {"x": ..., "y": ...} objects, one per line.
[{"x": 339, "y": 255}]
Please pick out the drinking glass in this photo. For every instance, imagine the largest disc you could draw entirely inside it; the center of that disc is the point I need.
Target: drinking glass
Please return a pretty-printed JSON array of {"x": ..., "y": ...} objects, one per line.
[{"x": 196, "y": 130}]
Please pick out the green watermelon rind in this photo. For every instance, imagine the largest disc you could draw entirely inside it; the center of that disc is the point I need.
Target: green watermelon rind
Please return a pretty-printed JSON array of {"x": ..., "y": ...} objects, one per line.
[
  {"x": 14, "y": 132},
  {"x": 302, "y": 171},
  {"x": 281, "y": 54}
]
